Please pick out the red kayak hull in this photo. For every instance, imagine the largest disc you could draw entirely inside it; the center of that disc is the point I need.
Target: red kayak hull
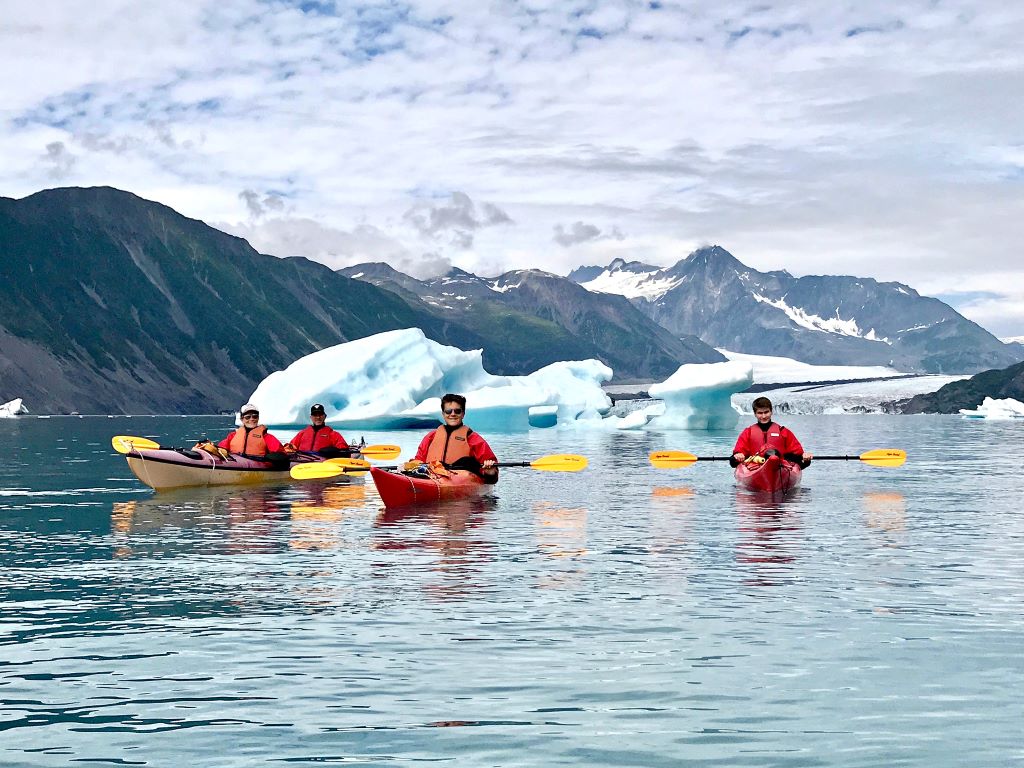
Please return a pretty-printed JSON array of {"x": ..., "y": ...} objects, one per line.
[
  {"x": 400, "y": 490},
  {"x": 776, "y": 475}
]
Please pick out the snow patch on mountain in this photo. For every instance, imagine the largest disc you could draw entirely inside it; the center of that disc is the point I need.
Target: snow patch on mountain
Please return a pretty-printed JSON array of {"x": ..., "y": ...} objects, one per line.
[
  {"x": 632, "y": 285},
  {"x": 781, "y": 370},
  {"x": 815, "y": 323}
]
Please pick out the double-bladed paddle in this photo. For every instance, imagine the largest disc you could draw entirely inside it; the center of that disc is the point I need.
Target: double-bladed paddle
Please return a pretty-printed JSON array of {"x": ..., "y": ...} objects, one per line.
[
  {"x": 880, "y": 457},
  {"x": 561, "y": 462}
]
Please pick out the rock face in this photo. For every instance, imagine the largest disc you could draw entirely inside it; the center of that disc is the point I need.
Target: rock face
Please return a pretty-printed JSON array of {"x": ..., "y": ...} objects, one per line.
[
  {"x": 827, "y": 320},
  {"x": 969, "y": 393}
]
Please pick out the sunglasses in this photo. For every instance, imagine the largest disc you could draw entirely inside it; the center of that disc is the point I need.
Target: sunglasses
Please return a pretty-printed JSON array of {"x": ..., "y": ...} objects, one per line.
[
  {"x": 452, "y": 411},
  {"x": 250, "y": 415}
]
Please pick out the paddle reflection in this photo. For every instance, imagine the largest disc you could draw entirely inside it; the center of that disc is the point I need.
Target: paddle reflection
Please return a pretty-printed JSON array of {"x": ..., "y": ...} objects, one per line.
[
  {"x": 671, "y": 519},
  {"x": 885, "y": 511},
  {"x": 316, "y": 520},
  {"x": 768, "y": 527},
  {"x": 560, "y": 534},
  {"x": 451, "y": 532}
]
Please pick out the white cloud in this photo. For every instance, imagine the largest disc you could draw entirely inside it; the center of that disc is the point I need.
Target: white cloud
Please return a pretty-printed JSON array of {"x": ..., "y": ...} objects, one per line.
[{"x": 873, "y": 138}]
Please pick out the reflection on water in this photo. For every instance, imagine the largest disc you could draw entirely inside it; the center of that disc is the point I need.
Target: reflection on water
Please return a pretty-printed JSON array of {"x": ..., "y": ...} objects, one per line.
[
  {"x": 769, "y": 528},
  {"x": 454, "y": 535},
  {"x": 885, "y": 510},
  {"x": 561, "y": 536},
  {"x": 871, "y": 618}
]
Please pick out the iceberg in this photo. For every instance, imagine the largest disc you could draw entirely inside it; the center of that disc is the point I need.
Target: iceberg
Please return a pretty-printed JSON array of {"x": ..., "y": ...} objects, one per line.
[
  {"x": 394, "y": 380},
  {"x": 1006, "y": 408},
  {"x": 699, "y": 395},
  {"x": 13, "y": 408}
]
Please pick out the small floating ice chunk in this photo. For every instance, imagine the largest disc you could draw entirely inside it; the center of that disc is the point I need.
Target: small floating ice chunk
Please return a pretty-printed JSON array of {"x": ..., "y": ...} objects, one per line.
[{"x": 990, "y": 408}]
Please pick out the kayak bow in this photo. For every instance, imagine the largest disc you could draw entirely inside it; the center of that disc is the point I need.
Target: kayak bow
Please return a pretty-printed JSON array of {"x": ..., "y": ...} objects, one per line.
[
  {"x": 402, "y": 490},
  {"x": 775, "y": 475}
]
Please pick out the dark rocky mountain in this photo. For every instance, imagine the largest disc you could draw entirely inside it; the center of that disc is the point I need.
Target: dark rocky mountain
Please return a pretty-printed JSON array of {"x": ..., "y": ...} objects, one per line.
[
  {"x": 968, "y": 393},
  {"x": 541, "y": 313},
  {"x": 110, "y": 303},
  {"x": 829, "y": 320}
]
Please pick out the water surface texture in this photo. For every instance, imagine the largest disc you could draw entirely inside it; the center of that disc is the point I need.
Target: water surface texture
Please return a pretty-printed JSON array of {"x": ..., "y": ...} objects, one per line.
[{"x": 623, "y": 616}]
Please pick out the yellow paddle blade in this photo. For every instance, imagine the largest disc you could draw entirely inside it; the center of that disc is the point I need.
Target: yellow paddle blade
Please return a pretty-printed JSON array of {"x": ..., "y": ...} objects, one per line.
[
  {"x": 560, "y": 462},
  {"x": 884, "y": 457},
  {"x": 125, "y": 443},
  {"x": 672, "y": 459},
  {"x": 316, "y": 470},
  {"x": 349, "y": 463},
  {"x": 381, "y": 451}
]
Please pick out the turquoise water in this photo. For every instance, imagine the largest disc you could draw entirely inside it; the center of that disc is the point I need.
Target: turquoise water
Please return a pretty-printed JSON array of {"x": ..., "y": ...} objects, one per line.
[{"x": 624, "y": 616}]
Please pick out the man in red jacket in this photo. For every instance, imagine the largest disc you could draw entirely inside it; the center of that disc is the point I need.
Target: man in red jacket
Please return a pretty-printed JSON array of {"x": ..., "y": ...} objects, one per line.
[
  {"x": 455, "y": 445},
  {"x": 756, "y": 441},
  {"x": 319, "y": 438}
]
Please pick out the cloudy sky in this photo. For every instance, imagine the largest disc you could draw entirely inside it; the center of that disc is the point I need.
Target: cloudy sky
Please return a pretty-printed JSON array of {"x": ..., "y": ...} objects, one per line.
[{"x": 878, "y": 138}]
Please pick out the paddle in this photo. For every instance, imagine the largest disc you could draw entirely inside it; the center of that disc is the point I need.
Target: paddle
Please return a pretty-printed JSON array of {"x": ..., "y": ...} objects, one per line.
[
  {"x": 562, "y": 462},
  {"x": 125, "y": 443},
  {"x": 880, "y": 457}
]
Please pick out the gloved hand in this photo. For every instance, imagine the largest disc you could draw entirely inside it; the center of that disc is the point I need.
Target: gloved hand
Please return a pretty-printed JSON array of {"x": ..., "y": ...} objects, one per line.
[{"x": 411, "y": 465}]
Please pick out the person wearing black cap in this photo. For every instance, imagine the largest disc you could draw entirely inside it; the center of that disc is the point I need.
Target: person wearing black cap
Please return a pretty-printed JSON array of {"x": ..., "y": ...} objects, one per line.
[{"x": 319, "y": 438}]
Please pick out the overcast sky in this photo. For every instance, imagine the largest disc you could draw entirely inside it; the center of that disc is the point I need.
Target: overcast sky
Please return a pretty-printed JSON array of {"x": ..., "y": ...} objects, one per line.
[{"x": 880, "y": 139}]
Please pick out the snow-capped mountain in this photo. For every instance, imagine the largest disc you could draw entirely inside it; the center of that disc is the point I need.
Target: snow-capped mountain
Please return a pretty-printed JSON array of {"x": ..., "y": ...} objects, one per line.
[
  {"x": 535, "y": 310},
  {"x": 822, "y": 319}
]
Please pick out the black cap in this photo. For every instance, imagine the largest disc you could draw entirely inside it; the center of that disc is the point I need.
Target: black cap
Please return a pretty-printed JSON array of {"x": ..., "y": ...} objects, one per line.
[{"x": 316, "y": 408}]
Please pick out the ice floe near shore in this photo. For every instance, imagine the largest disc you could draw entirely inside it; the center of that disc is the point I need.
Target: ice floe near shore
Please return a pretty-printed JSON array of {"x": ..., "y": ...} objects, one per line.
[
  {"x": 13, "y": 408},
  {"x": 990, "y": 408}
]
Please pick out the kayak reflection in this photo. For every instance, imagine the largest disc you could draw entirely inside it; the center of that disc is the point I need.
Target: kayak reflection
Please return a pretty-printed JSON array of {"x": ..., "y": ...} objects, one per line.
[
  {"x": 451, "y": 532},
  {"x": 769, "y": 528}
]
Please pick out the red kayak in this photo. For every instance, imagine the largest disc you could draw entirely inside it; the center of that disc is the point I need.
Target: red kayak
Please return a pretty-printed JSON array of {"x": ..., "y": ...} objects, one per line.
[
  {"x": 776, "y": 475},
  {"x": 398, "y": 489}
]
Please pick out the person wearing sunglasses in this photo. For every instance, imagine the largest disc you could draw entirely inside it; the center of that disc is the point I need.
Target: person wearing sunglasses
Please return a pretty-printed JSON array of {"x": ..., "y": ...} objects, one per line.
[
  {"x": 252, "y": 439},
  {"x": 455, "y": 445},
  {"x": 319, "y": 438}
]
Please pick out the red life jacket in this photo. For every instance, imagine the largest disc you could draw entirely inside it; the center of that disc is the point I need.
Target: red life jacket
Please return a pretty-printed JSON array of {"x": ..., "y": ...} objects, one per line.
[
  {"x": 308, "y": 440},
  {"x": 449, "y": 448},
  {"x": 759, "y": 440},
  {"x": 249, "y": 441}
]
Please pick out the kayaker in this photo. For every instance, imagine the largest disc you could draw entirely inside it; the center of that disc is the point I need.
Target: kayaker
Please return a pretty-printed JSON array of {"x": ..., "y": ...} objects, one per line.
[
  {"x": 757, "y": 440},
  {"x": 319, "y": 438},
  {"x": 252, "y": 438},
  {"x": 455, "y": 445}
]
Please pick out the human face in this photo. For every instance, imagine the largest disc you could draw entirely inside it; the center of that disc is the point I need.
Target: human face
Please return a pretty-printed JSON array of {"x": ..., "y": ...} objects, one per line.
[
  {"x": 250, "y": 416},
  {"x": 763, "y": 415},
  {"x": 317, "y": 418},
  {"x": 452, "y": 413}
]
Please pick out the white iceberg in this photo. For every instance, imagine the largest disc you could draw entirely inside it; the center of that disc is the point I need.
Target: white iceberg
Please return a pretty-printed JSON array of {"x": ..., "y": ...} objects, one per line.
[
  {"x": 1006, "y": 408},
  {"x": 13, "y": 408},
  {"x": 395, "y": 380},
  {"x": 698, "y": 396}
]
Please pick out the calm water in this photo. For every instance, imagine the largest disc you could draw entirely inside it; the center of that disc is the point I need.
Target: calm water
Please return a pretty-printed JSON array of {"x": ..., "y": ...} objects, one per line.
[{"x": 625, "y": 616}]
